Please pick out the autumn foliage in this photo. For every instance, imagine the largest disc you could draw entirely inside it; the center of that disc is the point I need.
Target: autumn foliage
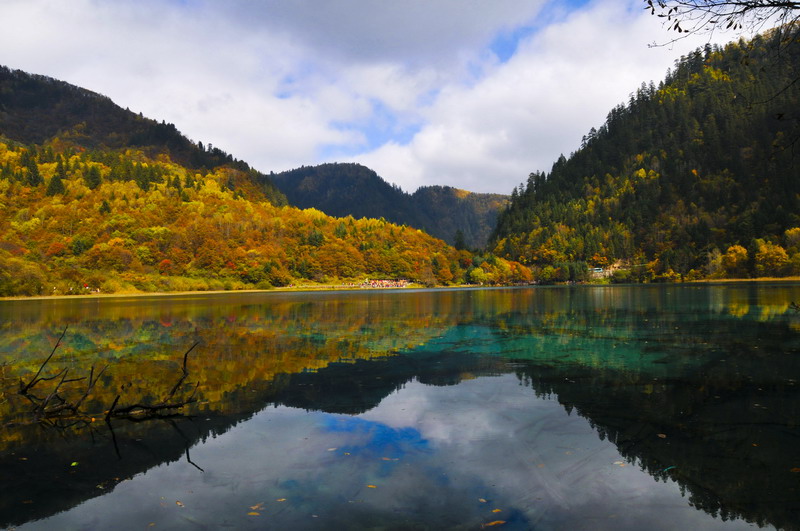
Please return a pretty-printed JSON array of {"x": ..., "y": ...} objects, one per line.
[
  {"x": 695, "y": 177},
  {"x": 74, "y": 221}
]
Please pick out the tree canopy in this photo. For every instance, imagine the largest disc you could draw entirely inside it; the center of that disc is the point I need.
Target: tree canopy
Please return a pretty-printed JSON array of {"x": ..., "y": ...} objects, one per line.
[
  {"x": 355, "y": 190},
  {"x": 694, "y": 177},
  {"x": 116, "y": 221}
]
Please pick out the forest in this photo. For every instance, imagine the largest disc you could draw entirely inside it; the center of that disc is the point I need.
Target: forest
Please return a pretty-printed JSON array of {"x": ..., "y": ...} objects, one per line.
[
  {"x": 79, "y": 221},
  {"x": 98, "y": 199},
  {"x": 459, "y": 217},
  {"x": 694, "y": 178},
  {"x": 35, "y": 109}
]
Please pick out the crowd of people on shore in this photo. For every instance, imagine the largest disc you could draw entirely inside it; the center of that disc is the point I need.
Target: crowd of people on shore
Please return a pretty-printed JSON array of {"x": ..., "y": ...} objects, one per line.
[{"x": 382, "y": 283}]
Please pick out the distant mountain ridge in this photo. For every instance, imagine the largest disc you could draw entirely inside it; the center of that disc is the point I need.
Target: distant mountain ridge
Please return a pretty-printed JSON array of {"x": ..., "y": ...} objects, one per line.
[
  {"x": 97, "y": 199},
  {"x": 35, "y": 109},
  {"x": 350, "y": 189}
]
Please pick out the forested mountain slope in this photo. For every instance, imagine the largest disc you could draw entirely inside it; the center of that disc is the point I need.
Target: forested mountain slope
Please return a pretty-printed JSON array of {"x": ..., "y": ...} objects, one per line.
[
  {"x": 355, "y": 190},
  {"x": 35, "y": 109},
  {"x": 698, "y": 176},
  {"x": 74, "y": 221}
]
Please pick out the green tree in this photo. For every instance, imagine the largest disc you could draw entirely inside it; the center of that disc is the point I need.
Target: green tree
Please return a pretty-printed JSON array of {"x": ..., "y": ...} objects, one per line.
[
  {"x": 93, "y": 177},
  {"x": 55, "y": 186},
  {"x": 458, "y": 240},
  {"x": 32, "y": 175}
]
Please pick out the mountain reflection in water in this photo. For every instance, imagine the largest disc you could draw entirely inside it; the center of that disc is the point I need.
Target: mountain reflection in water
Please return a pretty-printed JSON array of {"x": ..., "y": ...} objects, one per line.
[{"x": 592, "y": 407}]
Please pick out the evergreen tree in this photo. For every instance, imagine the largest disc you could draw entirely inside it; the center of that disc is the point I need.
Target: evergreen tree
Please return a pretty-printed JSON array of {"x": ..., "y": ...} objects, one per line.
[
  {"x": 705, "y": 161},
  {"x": 459, "y": 243},
  {"x": 61, "y": 170},
  {"x": 93, "y": 177},
  {"x": 32, "y": 175},
  {"x": 55, "y": 186}
]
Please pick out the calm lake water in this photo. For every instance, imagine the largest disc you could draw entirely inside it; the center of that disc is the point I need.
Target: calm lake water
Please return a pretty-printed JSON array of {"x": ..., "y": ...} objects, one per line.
[{"x": 620, "y": 407}]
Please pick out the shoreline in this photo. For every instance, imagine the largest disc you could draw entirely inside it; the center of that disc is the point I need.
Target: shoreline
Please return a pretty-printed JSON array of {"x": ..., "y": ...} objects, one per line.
[
  {"x": 343, "y": 287},
  {"x": 284, "y": 289}
]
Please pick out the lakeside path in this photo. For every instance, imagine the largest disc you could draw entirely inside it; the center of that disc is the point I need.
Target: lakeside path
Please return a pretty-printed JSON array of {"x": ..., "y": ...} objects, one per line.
[
  {"x": 349, "y": 287},
  {"x": 285, "y": 289}
]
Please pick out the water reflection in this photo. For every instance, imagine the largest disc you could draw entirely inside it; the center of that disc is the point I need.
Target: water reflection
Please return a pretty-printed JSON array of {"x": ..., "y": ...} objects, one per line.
[{"x": 409, "y": 409}]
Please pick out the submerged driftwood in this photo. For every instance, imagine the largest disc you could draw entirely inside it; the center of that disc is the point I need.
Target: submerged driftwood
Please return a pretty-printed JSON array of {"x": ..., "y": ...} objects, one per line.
[
  {"x": 54, "y": 404},
  {"x": 138, "y": 410}
]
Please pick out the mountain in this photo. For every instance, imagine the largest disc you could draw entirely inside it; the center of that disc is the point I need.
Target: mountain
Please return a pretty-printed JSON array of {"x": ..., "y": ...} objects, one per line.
[
  {"x": 355, "y": 190},
  {"x": 76, "y": 221},
  {"x": 94, "y": 198},
  {"x": 697, "y": 177},
  {"x": 35, "y": 109},
  {"x": 453, "y": 210}
]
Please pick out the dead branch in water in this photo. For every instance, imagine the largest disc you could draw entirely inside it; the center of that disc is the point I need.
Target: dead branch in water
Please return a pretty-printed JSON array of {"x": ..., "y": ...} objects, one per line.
[
  {"x": 25, "y": 387},
  {"x": 54, "y": 405},
  {"x": 138, "y": 411},
  {"x": 64, "y": 406}
]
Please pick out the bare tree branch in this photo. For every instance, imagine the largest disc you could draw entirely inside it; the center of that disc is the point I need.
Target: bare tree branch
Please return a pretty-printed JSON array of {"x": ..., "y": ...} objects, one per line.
[
  {"x": 139, "y": 410},
  {"x": 54, "y": 406},
  {"x": 24, "y": 388},
  {"x": 707, "y": 16}
]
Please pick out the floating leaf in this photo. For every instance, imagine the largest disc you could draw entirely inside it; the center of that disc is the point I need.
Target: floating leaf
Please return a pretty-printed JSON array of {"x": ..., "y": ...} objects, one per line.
[
  {"x": 332, "y": 449},
  {"x": 281, "y": 499},
  {"x": 253, "y": 513},
  {"x": 492, "y": 524},
  {"x": 74, "y": 463},
  {"x": 257, "y": 507},
  {"x": 371, "y": 487},
  {"x": 795, "y": 470},
  {"x": 497, "y": 510},
  {"x": 481, "y": 500},
  {"x": 662, "y": 435},
  {"x": 179, "y": 504}
]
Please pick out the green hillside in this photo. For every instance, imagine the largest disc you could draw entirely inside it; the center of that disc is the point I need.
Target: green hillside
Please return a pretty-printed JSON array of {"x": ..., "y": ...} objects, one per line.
[
  {"x": 97, "y": 199},
  {"x": 35, "y": 109},
  {"x": 355, "y": 190},
  {"x": 74, "y": 221},
  {"x": 695, "y": 177}
]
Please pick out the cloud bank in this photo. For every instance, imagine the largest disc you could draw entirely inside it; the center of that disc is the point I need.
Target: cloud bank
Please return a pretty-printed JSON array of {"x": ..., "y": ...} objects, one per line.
[{"x": 459, "y": 92}]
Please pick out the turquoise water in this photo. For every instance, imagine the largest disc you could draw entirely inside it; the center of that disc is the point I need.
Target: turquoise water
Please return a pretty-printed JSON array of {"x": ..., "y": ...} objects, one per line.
[{"x": 642, "y": 407}]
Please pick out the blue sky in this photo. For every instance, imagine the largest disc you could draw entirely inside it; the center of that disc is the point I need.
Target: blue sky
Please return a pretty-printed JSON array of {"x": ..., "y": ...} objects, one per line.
[{"x": 468, "y": 93}]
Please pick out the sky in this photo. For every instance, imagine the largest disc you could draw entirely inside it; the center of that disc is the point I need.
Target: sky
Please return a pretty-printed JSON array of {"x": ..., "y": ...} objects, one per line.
[{"x": 475, "y": 94}]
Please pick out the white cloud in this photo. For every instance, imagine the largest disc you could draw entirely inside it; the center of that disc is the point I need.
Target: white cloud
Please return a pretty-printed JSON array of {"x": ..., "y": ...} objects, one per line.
[
  {"x": 281, "y": 84},
  {"x": 525, "y": 113}
]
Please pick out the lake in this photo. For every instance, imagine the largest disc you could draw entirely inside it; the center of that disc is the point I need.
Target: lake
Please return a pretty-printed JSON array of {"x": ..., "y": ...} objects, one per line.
[{"x": 585, "y": 407}]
